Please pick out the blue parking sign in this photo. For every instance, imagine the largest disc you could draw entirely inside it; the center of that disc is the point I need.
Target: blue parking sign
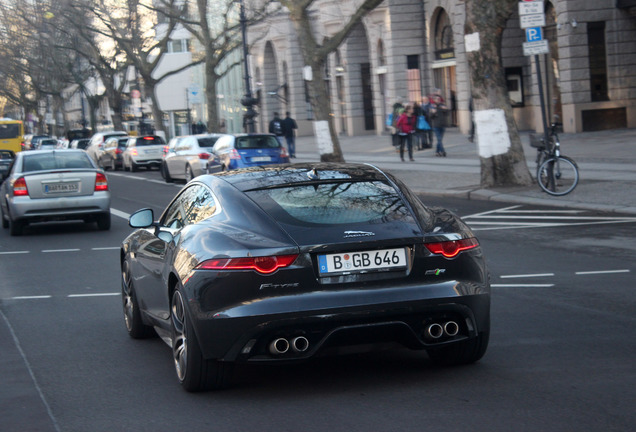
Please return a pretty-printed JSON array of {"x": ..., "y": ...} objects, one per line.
[{"x": 534, "y": 34}]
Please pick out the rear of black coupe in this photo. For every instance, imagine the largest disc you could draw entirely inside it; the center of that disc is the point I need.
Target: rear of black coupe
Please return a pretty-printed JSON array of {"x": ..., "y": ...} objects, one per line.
[{"x": 306, "y": 260}]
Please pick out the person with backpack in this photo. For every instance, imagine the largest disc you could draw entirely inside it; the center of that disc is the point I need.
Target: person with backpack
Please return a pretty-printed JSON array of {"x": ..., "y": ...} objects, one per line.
[{"x": 276, "y": 128}]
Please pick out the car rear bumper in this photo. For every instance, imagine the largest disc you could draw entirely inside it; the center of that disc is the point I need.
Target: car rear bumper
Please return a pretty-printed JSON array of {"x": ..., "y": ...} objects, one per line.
[
  {"x": 61, "y": 208},
  {"x": 340, "y": 319}
]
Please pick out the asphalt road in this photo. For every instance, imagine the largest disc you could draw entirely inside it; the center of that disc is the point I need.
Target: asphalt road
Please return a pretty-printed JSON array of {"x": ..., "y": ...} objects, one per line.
[{"x": 561, "y": 356}]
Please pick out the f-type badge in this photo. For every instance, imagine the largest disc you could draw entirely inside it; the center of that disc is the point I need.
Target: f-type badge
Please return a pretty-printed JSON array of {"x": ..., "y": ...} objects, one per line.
[
  {"x": 435, "y": 272},
  {"x": 349, "y": 234}
]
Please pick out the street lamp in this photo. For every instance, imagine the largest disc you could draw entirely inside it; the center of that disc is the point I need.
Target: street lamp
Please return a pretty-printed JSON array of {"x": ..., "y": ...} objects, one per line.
[{"x": 247, "y": 101}]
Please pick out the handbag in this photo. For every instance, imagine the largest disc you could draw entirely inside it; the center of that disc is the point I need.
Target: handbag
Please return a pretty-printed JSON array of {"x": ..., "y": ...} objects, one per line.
[{"x": 422, "y": 124}]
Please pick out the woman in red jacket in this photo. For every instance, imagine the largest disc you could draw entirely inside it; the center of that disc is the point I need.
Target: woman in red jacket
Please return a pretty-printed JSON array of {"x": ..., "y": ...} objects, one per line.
[{"x": 406, "y": 126}]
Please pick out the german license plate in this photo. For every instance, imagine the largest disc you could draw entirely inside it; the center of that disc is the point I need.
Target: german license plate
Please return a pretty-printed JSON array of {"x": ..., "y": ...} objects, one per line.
[
  {"x": 61, "y": 187},
  {"x": 376, "y": 260},
  {"x": 261, "y": 159}
]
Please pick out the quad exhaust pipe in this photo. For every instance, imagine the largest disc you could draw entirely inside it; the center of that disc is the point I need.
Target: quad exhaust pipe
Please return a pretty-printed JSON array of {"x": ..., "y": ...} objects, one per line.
[
  {"x": 436, "y": 331},
  {"x": 298, "y": 344}
]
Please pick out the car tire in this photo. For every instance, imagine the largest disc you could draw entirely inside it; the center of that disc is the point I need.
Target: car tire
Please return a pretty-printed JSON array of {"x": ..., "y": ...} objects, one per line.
[
  {"x": 103, "y": 221},
  {"x": 5, "y": 221},
  {"x": 15, "y": 227},
  {"x": 194, "y": 372},
  {"x": 166, "y": 174},
  {"x": 133, "y": 167},
  {"x": 465, "y": 352},
  {"x": 188, "y": 174},
  {"x": 132, "y": 314}
]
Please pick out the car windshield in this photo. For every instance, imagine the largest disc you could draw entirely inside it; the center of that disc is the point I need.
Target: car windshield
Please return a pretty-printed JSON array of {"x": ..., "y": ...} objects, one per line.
[
  {"x": 333, "y": 203},
  {"x": 57, "y": 160},
  {"x": 207, "y": 142},
  {"x": 256, "y": 142},
  {"x": 149, "y": 140}
]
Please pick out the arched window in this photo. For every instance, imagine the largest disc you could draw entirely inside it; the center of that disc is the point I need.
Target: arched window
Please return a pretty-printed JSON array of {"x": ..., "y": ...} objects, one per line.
[{"x": 444, "y": 44}]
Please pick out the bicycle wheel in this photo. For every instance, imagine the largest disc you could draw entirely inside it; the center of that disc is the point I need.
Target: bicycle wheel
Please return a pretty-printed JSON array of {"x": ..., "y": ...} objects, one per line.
[{"x": 558, "y": 175}]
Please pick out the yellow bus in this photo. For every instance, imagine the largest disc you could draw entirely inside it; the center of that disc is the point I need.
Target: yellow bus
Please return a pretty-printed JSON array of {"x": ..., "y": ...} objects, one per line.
[{"x": 11, "y": 134}]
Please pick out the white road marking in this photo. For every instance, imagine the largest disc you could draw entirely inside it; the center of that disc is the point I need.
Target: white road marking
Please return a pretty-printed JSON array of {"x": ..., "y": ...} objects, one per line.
[
  {"x": 522, "y": 285},
  {"x": 526, "y": 275},
  {"x": 601, "y": 272},
  {"x": 105, "y": 248},
  {"x": 59, "y": 250},
  {"x": 92, "y": 295},
  {"x": 14, "y": 252},
  {"x": 30, "y": 297},
  {"x": 119, "y": 213}
]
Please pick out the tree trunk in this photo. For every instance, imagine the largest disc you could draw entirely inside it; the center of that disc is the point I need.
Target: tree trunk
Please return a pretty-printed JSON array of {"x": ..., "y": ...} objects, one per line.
[
  {"x": 211, "y": 79},
  {"x": 501, "y": 154}
]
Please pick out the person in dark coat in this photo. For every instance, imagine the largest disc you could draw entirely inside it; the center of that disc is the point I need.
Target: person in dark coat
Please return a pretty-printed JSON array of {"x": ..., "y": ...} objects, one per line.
[
  {"x": 289, "y": 125},
  {"x": 276, "y": 128}
]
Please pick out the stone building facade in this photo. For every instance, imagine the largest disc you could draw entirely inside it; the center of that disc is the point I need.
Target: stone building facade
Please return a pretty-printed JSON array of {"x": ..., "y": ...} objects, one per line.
[{"x": 407, "y": 48}]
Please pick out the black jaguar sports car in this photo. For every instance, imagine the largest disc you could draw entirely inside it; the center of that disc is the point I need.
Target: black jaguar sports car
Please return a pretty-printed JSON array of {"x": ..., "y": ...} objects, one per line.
[{"x": 287, "y": 262}]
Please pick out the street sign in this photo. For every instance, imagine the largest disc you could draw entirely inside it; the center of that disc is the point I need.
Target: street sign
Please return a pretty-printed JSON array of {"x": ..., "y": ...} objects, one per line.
[
  {"x": 536, "y": 48},
  {"x": 532, "y": 20},
  {"x": 194, "y": 94},
  {"x": 534, "y": 34},
  {"x": 529, "y": 8}
]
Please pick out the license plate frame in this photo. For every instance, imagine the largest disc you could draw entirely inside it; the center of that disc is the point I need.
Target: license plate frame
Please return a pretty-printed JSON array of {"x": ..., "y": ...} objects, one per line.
[
  {"x": 57, "y": 188},
  {"x": 261, "y": 159},
  {"x": 364, "y": 261}
]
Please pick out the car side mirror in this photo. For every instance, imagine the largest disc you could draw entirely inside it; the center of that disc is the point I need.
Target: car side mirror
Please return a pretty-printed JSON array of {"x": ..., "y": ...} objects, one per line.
[{"x": 143, "y": 218}]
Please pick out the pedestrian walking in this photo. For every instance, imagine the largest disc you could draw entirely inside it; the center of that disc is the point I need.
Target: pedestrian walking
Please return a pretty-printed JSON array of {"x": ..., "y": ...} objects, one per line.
[
  {"x": 438, "y": 113},
  {"x": 289, "y": 125},
  {"x": 276, "y": 128},
  {"x": 406, "y": 127},
  {"x": 423, "y": 130},
  {"x": 398, "y": 109}
]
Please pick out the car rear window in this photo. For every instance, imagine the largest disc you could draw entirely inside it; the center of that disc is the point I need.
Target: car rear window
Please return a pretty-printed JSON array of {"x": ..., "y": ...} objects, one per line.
[
  {"x": 149, "y": 140},
  {"x": 256, "y": 142},
  {"x": 333, "y": 203},
  {"x": 207, "y": 142},
  {"x": 57, "y": 160}
]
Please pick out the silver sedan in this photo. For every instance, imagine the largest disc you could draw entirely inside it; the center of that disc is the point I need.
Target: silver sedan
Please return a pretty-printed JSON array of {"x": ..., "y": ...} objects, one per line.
[
  {"x": 53, "y": 185},
  {"x": 187, "y": 156}
]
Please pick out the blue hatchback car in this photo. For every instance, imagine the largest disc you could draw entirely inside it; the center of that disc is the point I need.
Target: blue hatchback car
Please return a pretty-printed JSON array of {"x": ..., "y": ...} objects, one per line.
[{"x": 246, "y": 150}]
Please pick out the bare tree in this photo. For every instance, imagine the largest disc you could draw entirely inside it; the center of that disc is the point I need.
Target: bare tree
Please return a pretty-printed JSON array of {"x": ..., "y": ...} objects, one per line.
[
  {"x": 315, "y": 53},
  {"x": 500, "y": 151}
]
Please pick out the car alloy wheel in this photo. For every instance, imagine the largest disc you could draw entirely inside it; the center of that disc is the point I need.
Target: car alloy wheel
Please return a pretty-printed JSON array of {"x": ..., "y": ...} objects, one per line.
[
  {"x": 132, "y": 315},
  {"x": 188, "y": 174},
  {"x": 194, "y": 372}
]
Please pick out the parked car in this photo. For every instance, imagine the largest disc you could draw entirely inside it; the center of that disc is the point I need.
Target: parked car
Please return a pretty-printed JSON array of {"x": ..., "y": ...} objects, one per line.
[
  {"x": 96, "y": 145},
  {"x": 80, "y": 143},
  {"x": 187, "y": 157},
  {"x": 6, "y": 159},
  {"x": 284, "y": 263},
  {"x": 46, "y": 144},
  {"x": 146, "y": 151},
  {"x": 53, "y": 185},
  {"x": 246, "y": 150},
  {"x": 112, "y": 155}
]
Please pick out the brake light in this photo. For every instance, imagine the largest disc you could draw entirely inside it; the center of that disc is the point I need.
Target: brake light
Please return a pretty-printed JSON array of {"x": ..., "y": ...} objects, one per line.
[
  {"x": 118, "y": 151},
  {"x": 263, "y": 265},
  {"x": 101, "y": 184},
  {"x": 133, "y": 152},
  {"x": 20, "y": 187},
  {"x": 166, "y": 149},
  {"x": 283, "y": 152},
  {"x": 149, "y": 138},
  {"x": 234, "y": 154},
  {"x": 450, "y": 249},
  {"x": 204, "y": 155}
]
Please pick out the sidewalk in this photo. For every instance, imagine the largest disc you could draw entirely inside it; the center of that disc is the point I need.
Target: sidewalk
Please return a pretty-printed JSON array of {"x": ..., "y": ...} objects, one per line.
[{"x": 606, "y": 160}]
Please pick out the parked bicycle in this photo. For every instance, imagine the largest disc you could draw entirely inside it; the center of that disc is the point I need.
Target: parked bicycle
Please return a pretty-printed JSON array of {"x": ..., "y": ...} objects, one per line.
[{"x": 556, "y": 174}]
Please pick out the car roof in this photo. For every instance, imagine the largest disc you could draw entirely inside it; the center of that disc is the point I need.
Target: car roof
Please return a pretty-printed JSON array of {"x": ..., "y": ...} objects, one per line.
[{"x": 284, "y": 174}]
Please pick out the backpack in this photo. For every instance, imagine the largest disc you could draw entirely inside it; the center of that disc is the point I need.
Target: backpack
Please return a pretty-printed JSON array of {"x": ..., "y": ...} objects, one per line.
[{"x": 278, "y": 130}]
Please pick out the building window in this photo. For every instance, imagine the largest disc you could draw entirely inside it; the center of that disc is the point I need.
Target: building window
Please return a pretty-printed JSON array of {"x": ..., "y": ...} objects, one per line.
[
  {"x": 444, "y": 43},
  {"x": 413, "y": 80},
  {"x": 178, "y": 46},
  {"x": 598, "y": 62},
  {"x": 514, "y": 84}
]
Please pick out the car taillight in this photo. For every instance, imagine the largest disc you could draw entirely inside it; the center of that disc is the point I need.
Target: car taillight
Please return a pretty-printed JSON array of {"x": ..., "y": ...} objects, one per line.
[
  {"x": 283, "y": 152},
  {"x": 234, "y": 154},
  {"x": 20, "y": 187},
  {"x": 264, "y": 265},
  {"x": 101, "y": 184},
  {"x": 133, "y": 152},
  {"x": 204, "y": 156},
  {"x": 452, "y": 248},
  {"x": 118, "y": 151},
  {"x": 166, "y": 149}
]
